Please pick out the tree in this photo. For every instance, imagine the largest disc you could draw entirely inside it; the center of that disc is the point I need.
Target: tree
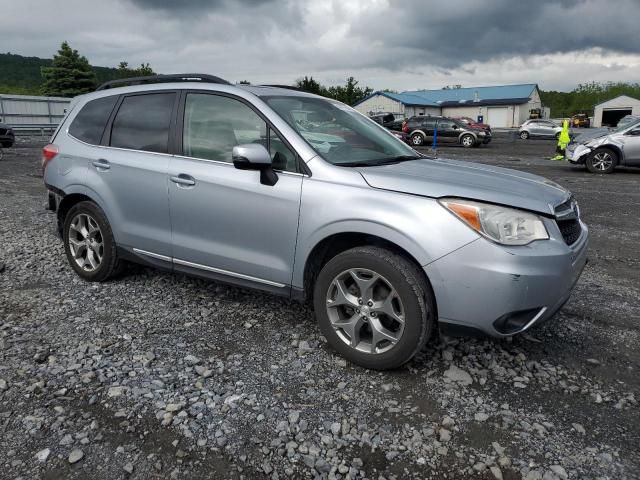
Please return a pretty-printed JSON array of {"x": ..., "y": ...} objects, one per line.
[
  {"x": 123, "y": 70},
  {"x": 69, "y": 74},
  {"x": 308, "y": 84},
  {"x": 350, "y": 93},
  {"x": 244, "y": 82}
]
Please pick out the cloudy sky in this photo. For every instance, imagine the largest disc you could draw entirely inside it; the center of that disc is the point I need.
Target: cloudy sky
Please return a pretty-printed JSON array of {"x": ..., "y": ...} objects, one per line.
[{"x": 399, "y": 44}]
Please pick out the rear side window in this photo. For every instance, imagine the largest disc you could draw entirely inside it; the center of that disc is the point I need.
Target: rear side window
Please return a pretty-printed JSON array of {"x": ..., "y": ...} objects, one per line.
[
  {"x": 142, "y": 122},
  {"x": 89, "y": 124}
]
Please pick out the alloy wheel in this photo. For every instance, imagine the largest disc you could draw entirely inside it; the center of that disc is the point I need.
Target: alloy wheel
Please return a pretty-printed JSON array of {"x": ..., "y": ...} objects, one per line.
[
  {"x": 365, "y": 310},
  {"x": 602, "y": 161},
  {"x": 467, "y": 141},
  {"x": 86, "y": 242}
]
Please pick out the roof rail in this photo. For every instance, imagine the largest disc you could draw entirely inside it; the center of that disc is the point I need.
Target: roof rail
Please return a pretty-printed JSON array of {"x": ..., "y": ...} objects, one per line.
[
  {"x": 289, "y": 87},
  {"x": 174, "y": 77}
]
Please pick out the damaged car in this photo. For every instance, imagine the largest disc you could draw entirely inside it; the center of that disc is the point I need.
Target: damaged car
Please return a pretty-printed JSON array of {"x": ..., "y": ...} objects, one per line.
[{"x": 612, "y": 148}]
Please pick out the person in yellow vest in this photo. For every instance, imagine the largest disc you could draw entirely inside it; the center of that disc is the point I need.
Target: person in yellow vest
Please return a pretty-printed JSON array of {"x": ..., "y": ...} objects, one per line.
[{"x": 563, "y": 141}]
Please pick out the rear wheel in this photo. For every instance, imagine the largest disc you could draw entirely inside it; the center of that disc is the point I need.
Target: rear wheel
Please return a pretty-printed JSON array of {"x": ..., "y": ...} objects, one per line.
[
  {"x": 89, "y": 243},
  {"x": 524, "y": 135},
  {"x": 417, "y": 139},
  {"x": 602, "y": 160},
  {"x": 468, "y": 141},
  {"x": 374, "y": 307}
]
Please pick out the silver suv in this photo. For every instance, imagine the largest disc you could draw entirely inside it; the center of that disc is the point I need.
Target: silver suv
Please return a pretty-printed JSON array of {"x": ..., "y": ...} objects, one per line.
[
  {"x": 539, "y": 128},
  {"x": 601, "y": 153},
  {"x": 299, "y": 195}
]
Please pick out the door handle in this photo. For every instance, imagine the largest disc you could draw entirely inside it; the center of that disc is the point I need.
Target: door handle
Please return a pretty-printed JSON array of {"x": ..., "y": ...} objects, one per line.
[
  {"x": 101, "y": 164},
  {"x": 184, "y": 180}
]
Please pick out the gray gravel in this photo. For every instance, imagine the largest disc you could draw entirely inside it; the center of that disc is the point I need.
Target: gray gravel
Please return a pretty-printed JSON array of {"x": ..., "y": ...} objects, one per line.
[{"x": 156, "y": 375}]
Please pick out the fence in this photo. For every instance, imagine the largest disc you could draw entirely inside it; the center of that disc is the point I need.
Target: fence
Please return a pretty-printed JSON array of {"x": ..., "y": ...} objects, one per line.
[{"x": 27, "y": 112}]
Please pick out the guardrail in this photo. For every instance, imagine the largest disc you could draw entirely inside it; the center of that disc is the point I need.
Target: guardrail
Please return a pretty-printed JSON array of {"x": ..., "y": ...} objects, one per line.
[{"x": 44, "y": 129}]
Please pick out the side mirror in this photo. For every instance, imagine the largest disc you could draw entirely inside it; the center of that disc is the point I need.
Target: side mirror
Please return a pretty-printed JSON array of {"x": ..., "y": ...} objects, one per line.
[
  {"x": 253, "y": 156},
  {"x": 635, "y": 132}
]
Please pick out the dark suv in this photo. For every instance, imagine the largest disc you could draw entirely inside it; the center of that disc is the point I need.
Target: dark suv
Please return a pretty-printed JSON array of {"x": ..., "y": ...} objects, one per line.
[
  {"x": 421, "y": 130},
  {"x": 7, "y": 137}
]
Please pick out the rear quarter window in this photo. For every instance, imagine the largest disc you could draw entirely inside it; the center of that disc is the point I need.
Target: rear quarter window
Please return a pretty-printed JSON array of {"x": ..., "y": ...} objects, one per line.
[{"x": 89, "y": 124}]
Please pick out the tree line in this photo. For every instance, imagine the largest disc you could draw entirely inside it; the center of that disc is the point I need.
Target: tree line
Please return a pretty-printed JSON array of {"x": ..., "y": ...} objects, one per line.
[{"x": 69, "y": 74}]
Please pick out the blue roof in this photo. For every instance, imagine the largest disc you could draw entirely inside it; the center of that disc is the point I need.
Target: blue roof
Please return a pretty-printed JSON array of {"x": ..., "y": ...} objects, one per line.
[{"x": 436, "y": 98}]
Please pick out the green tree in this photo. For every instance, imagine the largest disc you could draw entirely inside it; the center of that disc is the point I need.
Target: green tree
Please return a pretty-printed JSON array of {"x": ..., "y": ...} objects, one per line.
[
  {"x": 69, "y": 74},
  {"x": 144, "y": 70},
  {"x": 308, "y": 84},
  {"x": 350, "y": 93}
]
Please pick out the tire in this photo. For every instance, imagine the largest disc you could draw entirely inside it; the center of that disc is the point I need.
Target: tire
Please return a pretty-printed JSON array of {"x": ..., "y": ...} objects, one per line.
[
  {"x": 602, "y": 161},
  {"x": 417, "y": 139},
  {"x": 467, "y": 141},
  {"x": 399, "y": 289},
  {"x": 524, "y": 135},
  {"x": 88, "y": 240}
]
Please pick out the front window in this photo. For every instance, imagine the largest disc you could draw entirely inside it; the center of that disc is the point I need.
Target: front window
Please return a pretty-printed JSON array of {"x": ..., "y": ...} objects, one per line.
[{"x": 338, "y": 133}]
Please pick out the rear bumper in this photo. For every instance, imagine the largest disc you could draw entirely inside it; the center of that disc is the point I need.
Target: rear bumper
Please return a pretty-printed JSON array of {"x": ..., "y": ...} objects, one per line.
[{"x": 502, "y": 291}]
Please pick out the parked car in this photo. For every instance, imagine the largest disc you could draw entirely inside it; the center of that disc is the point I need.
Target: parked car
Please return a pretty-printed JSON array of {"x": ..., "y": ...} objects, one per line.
[
  {"x": 7, "y": 136},
  {"x": 421, "y": 130},
  {"x": 472, "y": 123},
  {"x": 194, "y": 175},
  {"x": 539, "y": 128},
  {"x": 392, "y": 121},
  {"x": 602, "y": 154},
  {"x": 581, "y": 120}
]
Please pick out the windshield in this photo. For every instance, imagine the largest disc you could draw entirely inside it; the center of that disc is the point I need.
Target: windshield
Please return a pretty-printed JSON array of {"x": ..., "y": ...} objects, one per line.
[
  {"x": 338, "y": 133},
  {"x": 626, "y": 123}
]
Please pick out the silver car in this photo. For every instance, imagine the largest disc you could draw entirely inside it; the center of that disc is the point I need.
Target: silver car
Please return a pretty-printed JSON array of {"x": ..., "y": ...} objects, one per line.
[
  {"x": 302, "y": 196},
  {"x": 539, "y": 128},
  {"x": 604, "y": 152}
]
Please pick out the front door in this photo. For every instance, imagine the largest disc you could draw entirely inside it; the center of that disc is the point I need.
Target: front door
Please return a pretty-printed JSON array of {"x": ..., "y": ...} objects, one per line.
[
  {"x": 632, "y": 147},
  {"x": 447, "y": 131},
  {"x": 224, "y": 221}
]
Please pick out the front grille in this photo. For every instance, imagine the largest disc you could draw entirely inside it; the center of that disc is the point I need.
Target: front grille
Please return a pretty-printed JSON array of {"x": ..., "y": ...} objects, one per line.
[{"x": 570, "y": 230}]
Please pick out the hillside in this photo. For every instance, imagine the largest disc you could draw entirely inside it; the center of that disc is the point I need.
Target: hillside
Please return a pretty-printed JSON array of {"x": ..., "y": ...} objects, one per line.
[{"x": 21, "y": 75}]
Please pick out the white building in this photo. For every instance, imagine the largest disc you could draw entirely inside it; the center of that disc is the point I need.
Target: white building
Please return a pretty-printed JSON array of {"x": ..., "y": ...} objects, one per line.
[
  {"x": 607, "y": 114},
  {"x": 499, "y": 106}
]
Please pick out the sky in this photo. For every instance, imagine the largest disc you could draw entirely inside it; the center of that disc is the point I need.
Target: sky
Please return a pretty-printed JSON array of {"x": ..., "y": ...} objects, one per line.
[{"x": 401, "y": 45}]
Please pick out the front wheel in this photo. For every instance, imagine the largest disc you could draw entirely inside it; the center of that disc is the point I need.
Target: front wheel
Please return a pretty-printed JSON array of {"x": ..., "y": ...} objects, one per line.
[
  {"x": 89, "y": 243},
  {"x": 524, "y": 135},
  {"x": 374, "y": 307},
  {"x": 602, "y": 160},
  {"x": 467, "y": 141}
]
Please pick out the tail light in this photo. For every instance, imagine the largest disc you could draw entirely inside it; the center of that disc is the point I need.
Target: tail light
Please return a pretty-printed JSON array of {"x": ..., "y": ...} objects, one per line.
[
  {"x": 48, "y": 154},
  {"x": 405, "y": 127}
]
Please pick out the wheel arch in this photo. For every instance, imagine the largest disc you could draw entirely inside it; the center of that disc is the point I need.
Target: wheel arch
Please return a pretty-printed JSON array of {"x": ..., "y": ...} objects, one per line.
[
  {"x": 336, "y": 243},
  {"x": 615, "y": 148},
  {"x": 73, "y": 198}
]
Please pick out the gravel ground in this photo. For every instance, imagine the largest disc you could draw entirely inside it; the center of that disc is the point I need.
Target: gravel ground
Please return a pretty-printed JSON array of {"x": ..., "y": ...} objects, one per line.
[{"x": 156, "y": 375}]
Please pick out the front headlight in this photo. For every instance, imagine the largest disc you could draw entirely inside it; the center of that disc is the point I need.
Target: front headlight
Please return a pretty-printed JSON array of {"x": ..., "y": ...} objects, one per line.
[{"x": 504, "y": 225}]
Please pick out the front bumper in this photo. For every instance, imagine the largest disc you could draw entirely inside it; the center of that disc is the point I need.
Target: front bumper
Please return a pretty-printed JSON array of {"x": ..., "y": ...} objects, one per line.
[
  {"x": 576, "y": 153},
  {"x": 502, "y": 291}
]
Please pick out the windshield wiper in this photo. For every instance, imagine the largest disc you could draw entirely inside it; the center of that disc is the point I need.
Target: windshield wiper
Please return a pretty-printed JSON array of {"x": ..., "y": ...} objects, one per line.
[{"x": 380, "y": 161}]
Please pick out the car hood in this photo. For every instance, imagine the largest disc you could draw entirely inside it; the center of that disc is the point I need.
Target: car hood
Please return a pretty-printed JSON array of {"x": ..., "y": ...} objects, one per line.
[
  {"x": 591, "y": 134},
  {"x": 439, "y": 178}
]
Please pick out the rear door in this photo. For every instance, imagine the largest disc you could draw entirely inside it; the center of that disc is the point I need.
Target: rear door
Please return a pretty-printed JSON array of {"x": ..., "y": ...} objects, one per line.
[
  {"x": 225, "y": 222},
  {"x": 130, "y": 175}
]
